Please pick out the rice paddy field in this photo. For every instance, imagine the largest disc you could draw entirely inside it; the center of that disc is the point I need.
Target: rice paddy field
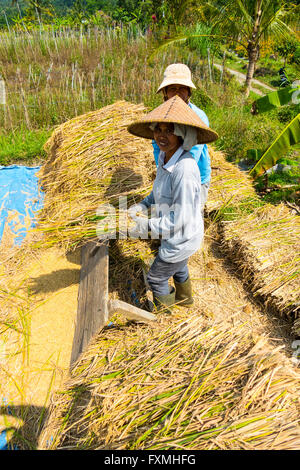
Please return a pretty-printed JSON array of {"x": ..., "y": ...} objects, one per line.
[{"x": 223, "y": 374}]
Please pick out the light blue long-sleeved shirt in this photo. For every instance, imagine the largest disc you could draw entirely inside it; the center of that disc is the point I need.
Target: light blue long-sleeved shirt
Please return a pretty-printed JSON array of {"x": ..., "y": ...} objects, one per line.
[
  {"x": 199, "y": 152},
  {"x": 175, "y": 203}
]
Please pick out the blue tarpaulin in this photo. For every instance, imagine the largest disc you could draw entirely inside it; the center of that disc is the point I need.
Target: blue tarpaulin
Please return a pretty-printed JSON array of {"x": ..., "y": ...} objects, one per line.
[
  {"x": 20, "y": 199},
  {"x": 4, "y": 444}
]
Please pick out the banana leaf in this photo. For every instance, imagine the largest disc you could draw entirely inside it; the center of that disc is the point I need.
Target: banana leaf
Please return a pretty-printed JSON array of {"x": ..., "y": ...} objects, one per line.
[
  {"x": 288, "y": 137},
  {"x": 275, "y": 99}
]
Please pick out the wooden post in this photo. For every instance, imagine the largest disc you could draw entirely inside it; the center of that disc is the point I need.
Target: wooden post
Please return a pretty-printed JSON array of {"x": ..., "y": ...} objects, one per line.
[
  {"x": 92, "y": 310},
  {"x": 130, "y": 311}
]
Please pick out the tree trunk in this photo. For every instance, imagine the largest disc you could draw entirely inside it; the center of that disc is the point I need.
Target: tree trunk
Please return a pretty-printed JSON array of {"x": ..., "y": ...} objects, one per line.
[
  {"x": 253, "y": 45},
  {"x": 223, "y": 67},
  {"x": 252, "y": 58}
]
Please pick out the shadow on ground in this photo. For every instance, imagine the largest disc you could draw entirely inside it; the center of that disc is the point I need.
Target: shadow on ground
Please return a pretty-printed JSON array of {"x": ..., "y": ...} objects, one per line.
[{"x": 26, "y": 436}]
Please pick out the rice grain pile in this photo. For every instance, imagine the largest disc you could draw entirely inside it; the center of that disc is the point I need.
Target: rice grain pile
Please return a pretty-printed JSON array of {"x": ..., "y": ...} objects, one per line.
[
  {"x": 38, "y": 304},
  {"x": 265, "y": 245}
]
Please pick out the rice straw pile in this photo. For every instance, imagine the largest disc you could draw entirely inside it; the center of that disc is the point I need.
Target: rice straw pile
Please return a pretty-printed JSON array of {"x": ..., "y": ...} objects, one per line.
[
  {"x": 229, "y": 185},
  {"x": 177, "y": 385},
  {"x": 93, "y": 160},
  {"x": 266, "y": 247}
]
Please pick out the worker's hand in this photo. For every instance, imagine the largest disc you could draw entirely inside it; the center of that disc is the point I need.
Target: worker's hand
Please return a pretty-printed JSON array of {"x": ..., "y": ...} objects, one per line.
[
  {"x": 139, "y": 214},
  {"x": 140, "y": 229},
  {"x": 136, "y": 209}
]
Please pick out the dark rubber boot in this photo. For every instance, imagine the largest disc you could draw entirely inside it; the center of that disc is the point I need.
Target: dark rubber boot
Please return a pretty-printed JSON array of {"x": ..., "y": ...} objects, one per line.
[
  {"x": 184, "y": 293},
  {"x": 164, "y": 303}
]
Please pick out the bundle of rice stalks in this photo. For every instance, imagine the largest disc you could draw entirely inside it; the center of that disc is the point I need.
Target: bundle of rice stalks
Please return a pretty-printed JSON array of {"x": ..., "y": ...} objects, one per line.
[
  {"x": 229, "y": 185},
  {"x": 127, "y": 259},
  {"x": 179, "y": 385},
  {"x": 93, "y": 160},
  {"x": 265, "y": 245}
]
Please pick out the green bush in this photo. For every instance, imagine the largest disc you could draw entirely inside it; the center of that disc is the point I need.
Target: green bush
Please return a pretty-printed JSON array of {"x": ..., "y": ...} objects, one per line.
[
  {"x": 296, "y": 57},
  {"x": 239, "y": 130},
  {"x": 288, "y": 113}
]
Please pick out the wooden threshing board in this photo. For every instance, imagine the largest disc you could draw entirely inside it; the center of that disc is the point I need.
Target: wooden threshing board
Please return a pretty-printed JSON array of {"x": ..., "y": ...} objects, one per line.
[{"x": 92, "y": 310}]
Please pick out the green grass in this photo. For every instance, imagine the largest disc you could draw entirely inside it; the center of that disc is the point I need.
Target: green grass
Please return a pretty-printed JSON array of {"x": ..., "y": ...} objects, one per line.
[{"x": 23, "y": 146}]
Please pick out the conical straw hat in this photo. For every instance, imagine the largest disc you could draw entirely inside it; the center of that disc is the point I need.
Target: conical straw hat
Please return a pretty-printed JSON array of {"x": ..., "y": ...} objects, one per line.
[{"x": 174, "y": 110}]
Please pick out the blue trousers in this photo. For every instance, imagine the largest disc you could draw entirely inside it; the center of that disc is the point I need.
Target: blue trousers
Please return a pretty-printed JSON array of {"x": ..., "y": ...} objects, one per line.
[{"x": 161, "y": 271}]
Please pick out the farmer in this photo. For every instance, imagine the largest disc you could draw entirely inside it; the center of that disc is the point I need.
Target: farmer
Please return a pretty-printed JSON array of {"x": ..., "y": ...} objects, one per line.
[
  {"x": 178, "y": 81},
  {"x": 175, "y": 199}
]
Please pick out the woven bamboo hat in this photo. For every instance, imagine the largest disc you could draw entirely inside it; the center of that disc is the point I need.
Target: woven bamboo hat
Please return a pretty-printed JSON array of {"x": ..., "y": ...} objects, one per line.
[
  {"x": 175, "y": 110},
  {"x": 177, "y": 74}
]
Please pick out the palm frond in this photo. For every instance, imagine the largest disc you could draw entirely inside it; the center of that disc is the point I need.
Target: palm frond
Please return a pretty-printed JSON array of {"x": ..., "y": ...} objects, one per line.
[
  {"x": 275, "y": 25},
  {"x": 182, "y": 39}
]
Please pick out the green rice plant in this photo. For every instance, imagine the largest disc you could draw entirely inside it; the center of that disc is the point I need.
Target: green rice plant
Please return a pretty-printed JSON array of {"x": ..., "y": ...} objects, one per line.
[{"x": 64, "y": 73}]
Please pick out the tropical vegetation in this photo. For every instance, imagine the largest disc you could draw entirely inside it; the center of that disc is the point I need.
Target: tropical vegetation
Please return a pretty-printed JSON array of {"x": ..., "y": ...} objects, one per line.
[{"x": 62, "y": 58}]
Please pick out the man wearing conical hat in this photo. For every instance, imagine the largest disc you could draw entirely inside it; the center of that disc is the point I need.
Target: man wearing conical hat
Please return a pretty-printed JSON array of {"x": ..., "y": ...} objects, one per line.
[
  {"x": 175, "y": 201},
  {"x": 178, "y": 80}
]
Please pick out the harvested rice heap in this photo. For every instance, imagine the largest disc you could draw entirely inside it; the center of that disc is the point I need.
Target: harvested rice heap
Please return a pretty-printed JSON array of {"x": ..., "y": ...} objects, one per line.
[
  {"x": 264, "y": 244},
  {"x": 229, "y": 185},
  {"x": 93, "y": 160},
  {"x": 266, "y": 247},
  {"x": 177, "y": 385}
]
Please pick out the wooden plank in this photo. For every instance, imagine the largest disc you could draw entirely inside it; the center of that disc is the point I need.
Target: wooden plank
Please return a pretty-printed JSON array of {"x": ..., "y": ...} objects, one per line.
[
  {"x": 129, "y": 311},
  {"x": 92, "y": 310}
]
